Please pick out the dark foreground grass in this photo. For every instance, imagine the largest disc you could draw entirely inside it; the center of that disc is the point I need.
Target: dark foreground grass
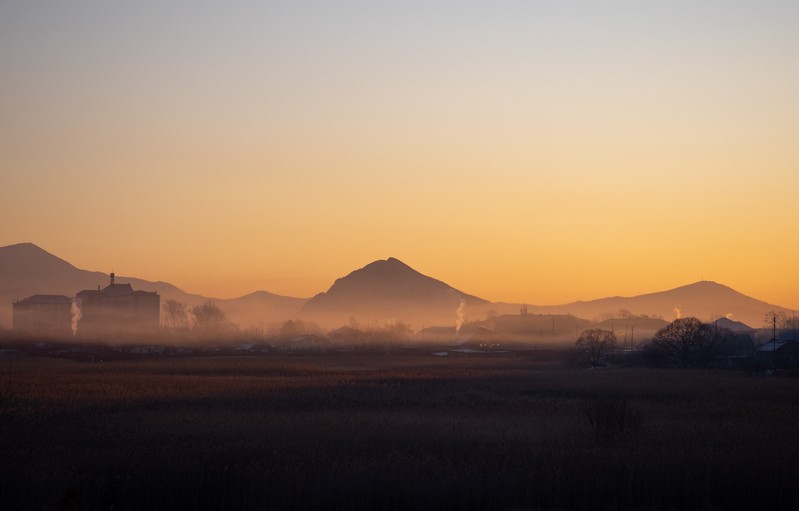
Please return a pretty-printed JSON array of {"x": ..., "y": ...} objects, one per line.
[{"x": 393, "y": 433}]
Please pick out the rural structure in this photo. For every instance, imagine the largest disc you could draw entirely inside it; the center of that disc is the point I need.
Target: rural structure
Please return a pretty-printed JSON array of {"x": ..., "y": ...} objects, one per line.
[
  {"x": 780, "y": 353},
  {"x": 43, "y": 315},
  {"x": 117, "y": 310}
]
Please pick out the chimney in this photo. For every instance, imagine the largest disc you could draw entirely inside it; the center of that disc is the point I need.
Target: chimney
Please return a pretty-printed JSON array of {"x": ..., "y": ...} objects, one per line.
[{"x": 112, "y": 278}]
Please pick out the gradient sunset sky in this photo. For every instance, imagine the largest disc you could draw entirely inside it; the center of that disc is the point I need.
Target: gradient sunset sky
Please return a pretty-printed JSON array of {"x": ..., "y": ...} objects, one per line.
[{"x": 537, "y": 151}]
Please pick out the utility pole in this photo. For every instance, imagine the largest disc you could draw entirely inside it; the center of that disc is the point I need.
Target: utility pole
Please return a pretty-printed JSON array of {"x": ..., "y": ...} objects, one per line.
[{"x": 774, "y": 329}]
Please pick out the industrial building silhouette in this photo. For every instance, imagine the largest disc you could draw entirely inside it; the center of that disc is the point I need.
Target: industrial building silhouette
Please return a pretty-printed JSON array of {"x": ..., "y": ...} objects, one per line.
[
  {"x": 116, "y": 310},
  {"x": 44, "y": 315}
]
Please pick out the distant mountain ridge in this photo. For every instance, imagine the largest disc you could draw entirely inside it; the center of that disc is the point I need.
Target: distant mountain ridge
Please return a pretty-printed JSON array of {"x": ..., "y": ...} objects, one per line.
[
  {"x": 705, "y": 299},
  {"x": 26, "y": 269},
  {"x": 381, "y": 290}
]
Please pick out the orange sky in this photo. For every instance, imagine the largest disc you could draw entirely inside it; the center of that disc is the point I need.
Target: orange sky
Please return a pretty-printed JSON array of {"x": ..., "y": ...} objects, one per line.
[{"x": 541, "y": 153}]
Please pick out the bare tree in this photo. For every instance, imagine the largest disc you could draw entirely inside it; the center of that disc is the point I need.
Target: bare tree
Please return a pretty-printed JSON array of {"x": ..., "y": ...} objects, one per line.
[
  {"x": 294, "y": 327},
  {"x": 780, "y": 320},
  {"x": 176, "y": 314},
  {"x": 209, "y": 318},
  {"x": 775, "y": 318},
  {"x": 289, "y": 329},
  {"x": 596, "y": 343},
  {"x": 685, "y": 342},
  {"x": 398, "y": 331}
]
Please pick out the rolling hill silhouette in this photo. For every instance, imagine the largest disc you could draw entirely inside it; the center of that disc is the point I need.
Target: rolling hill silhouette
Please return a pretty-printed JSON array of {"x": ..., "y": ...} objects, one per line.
[
  {"x": 390, "y": 289},
  {"x": 26, "y": 269},
  {"x": 382, "y": 290},
  {"x": 706, "y": 300},
  {"x": 261, "y": 308}
]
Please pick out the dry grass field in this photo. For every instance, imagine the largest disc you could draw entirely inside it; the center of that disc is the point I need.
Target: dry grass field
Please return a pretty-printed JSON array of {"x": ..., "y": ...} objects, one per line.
[{"x": 380, "y": 432}]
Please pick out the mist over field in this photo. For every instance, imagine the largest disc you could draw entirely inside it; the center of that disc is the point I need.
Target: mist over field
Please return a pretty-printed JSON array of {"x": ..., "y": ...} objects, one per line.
[{"x": 387, "y": 296}]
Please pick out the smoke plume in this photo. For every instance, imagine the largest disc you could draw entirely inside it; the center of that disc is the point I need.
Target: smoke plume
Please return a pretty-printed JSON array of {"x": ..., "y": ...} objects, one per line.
[
  {"x": 75, "y": 309},
  {"x": 459, "y": 317},
  {"x": 677, "y": 312}
]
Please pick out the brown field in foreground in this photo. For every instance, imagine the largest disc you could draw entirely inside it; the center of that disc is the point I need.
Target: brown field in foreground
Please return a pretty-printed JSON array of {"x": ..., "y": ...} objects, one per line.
[{"x": 379, "y": 432}]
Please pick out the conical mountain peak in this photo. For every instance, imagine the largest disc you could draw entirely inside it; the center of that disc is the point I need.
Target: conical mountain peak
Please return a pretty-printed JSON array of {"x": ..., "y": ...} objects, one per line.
[
  {"x": 389, "y": 288},
  {"x": 391, "y": 264}
]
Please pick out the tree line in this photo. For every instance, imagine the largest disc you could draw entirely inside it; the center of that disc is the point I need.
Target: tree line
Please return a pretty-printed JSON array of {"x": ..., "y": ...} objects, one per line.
[{"x": 685, "y": 342}]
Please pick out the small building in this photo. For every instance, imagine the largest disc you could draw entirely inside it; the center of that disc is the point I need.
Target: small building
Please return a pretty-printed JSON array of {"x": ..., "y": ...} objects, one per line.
[
  {"x": 308, "y": 344},
  {"x": 481, "y": 339},
  {"x": 43, "y": 315},
  {"x": 118, "y": 311},
  {"x": 741, "y": 342},
  {"x": 779, "y": 353}
]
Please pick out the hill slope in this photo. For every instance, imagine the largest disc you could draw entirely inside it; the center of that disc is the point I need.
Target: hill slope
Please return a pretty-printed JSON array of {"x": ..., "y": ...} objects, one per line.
[
  {"x": 261, "y": 308},
  {"x": 390, "y": 289},
  {"x": 705, "y": 299}
]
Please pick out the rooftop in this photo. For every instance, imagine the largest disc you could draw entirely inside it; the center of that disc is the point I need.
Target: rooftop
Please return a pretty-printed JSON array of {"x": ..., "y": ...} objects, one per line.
[
  {"x": 112, "y": 290},
  {"x": 45, "y": 299},
  {"x": 774, "y": 345}
]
